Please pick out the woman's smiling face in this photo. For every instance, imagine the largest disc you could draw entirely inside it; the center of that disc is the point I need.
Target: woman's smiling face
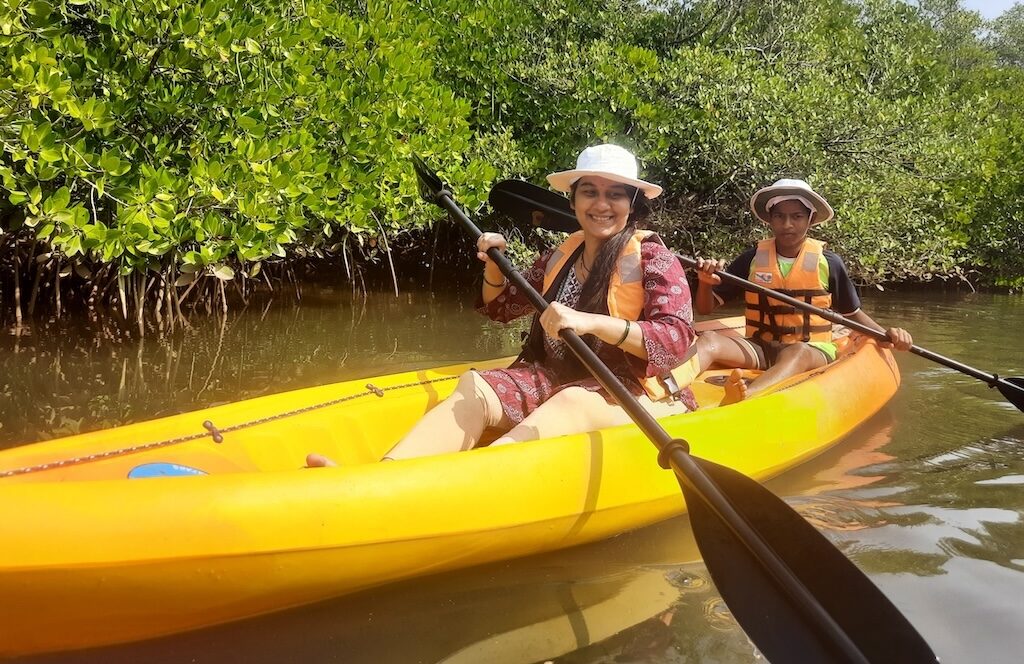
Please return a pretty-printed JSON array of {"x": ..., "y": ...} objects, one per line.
[{"x": 602, "y": 206}]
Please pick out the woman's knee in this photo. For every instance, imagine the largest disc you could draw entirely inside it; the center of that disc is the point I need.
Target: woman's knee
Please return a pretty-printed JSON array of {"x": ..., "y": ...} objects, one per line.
[{"x": 473, "y": 389}]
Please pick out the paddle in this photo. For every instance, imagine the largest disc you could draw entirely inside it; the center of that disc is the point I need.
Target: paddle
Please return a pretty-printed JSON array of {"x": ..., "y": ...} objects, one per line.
[
  {"x": 797, "y": 597},
  {"x": 534, "y": 205},
  {"x": 527, "y": 202}
]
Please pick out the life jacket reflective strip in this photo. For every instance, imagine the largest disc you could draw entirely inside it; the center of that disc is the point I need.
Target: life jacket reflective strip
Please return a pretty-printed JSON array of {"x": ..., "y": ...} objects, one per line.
[
  {"x": 625, "y": 300},
  {"x": 773, "y": 322}
]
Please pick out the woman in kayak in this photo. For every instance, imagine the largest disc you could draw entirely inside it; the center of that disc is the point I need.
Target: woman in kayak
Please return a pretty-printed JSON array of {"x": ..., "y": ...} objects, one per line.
[
  {"x": 615, "y": 285},
  {"x": 782, "y": 340}
]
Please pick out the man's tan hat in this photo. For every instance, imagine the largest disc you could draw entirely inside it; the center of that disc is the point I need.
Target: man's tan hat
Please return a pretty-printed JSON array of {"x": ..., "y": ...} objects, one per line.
[{"x": 789, "y": 189}]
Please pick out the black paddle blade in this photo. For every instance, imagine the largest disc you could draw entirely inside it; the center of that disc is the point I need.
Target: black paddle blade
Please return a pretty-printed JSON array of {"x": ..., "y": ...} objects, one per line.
[
  {"x": 779, "y": 627},
  {"x": 529, "y": 204},
  {"x": 430, "y": 183},
  {"x": 1013, "y": 389}
]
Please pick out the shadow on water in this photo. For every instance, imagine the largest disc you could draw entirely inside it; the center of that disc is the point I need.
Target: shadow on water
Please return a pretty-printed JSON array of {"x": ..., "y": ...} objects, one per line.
[{"x": 926, "y": 496}]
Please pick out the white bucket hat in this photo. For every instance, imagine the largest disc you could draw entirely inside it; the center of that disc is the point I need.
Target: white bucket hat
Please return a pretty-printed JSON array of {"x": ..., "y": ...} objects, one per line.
[
  {"x": 791, "y": 190},
  {"x": 607, "y": 161}
]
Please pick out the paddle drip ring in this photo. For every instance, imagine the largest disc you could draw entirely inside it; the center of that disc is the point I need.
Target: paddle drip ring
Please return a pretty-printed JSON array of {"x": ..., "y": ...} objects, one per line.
[{"x": 666, "y": 452}]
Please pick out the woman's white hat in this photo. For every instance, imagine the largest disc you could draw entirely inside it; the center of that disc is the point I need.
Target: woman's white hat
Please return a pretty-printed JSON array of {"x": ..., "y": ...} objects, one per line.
[
  {"x": 607, "y": 161},
  {"x": 790, "y": 190}
]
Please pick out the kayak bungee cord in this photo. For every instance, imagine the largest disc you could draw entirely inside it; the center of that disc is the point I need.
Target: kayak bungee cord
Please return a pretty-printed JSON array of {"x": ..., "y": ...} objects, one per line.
[{"x": 214, "y": 432}]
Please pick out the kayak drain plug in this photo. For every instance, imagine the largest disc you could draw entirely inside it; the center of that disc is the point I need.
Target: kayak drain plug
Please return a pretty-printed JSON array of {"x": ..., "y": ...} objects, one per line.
[{"x": 214, "y": 431}]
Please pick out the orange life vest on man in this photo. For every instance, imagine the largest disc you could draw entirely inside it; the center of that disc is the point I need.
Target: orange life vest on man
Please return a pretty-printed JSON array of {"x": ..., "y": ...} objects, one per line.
[
  {"x": 773, "y": 322},
  {"x": 625, "y": 300}
]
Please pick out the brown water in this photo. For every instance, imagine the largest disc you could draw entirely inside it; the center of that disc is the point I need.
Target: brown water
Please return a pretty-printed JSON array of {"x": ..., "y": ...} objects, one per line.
[{"x": 927, "y": 497}]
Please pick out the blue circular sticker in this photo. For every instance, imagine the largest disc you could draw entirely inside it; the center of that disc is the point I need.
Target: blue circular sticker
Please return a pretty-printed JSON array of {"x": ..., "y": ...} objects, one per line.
[{"x": 161, "y": 469}]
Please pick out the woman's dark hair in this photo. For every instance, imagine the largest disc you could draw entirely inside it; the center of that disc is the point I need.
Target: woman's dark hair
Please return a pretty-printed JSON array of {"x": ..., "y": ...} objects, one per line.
[{"x": 594, "y": 297}]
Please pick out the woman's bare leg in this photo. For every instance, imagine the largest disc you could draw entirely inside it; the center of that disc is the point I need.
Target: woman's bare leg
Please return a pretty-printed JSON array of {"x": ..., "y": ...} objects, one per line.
[
  {"x": 452, "y": 425},
  {"x": 576, "y": 410}
]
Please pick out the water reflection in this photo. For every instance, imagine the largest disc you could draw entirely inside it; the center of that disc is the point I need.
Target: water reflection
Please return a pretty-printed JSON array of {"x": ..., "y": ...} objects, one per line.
[
  {"x": 73, "y": 376},
  {"x": 533, "y": 609}
]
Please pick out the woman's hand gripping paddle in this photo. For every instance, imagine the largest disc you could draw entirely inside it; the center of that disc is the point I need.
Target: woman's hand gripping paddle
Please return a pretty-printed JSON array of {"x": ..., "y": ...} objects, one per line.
[
  {"x": 529, "y": 203},
  {"x": 798, "y": 598}
]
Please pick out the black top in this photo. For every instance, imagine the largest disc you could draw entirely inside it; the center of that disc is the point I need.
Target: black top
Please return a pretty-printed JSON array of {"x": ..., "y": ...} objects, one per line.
[{"x": 845, "y": 299}]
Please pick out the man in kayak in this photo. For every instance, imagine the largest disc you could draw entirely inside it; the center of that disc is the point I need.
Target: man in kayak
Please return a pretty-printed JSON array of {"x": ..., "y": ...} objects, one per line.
[
  {"x": 617, "y": 286},
  {"x": 781, "y": 340}
]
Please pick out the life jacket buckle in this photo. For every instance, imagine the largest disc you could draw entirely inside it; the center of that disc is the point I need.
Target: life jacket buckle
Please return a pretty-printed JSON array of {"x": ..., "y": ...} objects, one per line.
[{"x": 671, "y": 384}]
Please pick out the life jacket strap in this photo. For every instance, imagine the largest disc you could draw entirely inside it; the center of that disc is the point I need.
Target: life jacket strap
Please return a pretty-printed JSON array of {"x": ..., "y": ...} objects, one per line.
[{"x": 533, "y": 341}]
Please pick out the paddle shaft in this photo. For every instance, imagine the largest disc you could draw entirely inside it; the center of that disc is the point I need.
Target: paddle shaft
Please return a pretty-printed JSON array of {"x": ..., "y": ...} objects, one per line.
[{"x": 677, "y": 453}]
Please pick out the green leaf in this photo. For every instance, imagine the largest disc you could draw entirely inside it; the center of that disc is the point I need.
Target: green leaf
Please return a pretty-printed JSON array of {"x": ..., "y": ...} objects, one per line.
[
  {"x": 110, "y": 163},
  {"x": 74, "y": 246},
  {"x": 95, "y": 232},
  {"x": 247, "y": 123},
  {"x": 39, "y": 9},
  {"x": 185, "y": 278},
  {"x": 59, "y": 199},
  {"x": 223, "y": 272}
]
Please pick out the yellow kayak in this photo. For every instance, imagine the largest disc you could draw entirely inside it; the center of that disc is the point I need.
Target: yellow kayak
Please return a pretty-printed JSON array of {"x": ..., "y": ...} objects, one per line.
[{"x": 171, "y": 525}]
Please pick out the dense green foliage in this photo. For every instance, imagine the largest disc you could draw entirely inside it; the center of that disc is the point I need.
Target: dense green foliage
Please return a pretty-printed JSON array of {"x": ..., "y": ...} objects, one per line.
[
  {"x": 899, "y": 114},
  {"x": 150, "y": 143},
  {"x": 191, "y": 138}
]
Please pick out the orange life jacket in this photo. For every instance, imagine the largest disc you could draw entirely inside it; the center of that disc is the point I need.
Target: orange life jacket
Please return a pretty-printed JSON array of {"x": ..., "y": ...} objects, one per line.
[
  {"x": 626, "y": 301},
  {"x": 775, "y": 323}
]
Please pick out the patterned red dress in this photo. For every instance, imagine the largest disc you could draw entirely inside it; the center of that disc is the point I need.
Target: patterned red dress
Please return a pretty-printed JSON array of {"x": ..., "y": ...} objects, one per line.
[{"x": 666, "y": 321}]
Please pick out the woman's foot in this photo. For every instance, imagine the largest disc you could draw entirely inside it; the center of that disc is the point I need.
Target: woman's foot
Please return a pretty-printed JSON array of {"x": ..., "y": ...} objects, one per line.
[
  {"x": 735, "y": 388},
  {"x": 318, "y": 461}
]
